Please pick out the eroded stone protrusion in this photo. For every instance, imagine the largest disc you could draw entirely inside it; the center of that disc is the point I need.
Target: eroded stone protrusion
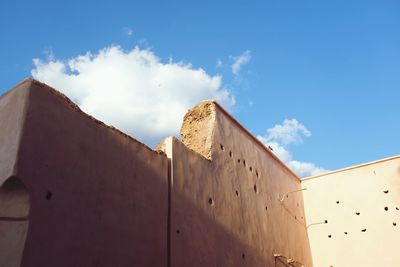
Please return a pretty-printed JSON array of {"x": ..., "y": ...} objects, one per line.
[{"x": 198, "y": 127}]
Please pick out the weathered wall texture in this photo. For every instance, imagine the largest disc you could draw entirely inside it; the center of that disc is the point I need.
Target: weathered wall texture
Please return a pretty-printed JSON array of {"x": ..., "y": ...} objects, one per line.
[
  {"x": 235, "y": 208},
  {"x": 75, "y": 192},
  {"x": 361, "y": 205},
  {"x": 12, "y": 114},
  {"x": 97, "y": 196}
]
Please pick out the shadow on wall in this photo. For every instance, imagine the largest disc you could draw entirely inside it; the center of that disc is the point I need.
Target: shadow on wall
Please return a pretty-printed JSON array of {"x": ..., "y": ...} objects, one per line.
[
  {"x": 14, "y": 222},
  {"x": 207, "y": 243}
]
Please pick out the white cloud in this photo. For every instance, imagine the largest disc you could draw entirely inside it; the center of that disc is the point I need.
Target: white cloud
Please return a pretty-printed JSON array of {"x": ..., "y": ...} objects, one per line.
[
  {"x": 128, "y": 31},
  {"x": 239, "y": 61},
  {"x": 132, "y": 90},
  {"x": 282, "y": 135},
  {"x": 219, "y": 63},
  {"x": 291, "y": 131}
]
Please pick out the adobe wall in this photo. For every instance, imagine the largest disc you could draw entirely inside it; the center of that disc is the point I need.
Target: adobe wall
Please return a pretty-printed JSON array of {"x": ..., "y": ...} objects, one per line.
[
  {"x": 233, "y": 203},
  {"x": 12, "y": 113},
  {"x": 97, "y": 196},
  {"x": 361, "y": 206}
]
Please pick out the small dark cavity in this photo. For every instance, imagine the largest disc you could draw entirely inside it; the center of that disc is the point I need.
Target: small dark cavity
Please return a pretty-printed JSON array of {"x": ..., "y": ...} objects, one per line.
[
  {"x": 230, "y": 154},
  {"x": 337, "y": 202},
  {"x": 386, "y": 208},
  {"x": 326, "y": 221},
  {"x": 256, "y": 173},
  {"x": 251, "y": 168},
  {"x": 363, "y": 230},
  {"x": 357, "y": 213},
  {"x": 49, "y": 195},
  {"x": 394, "y": 223},
  {"x": 329, "y": 236},
  {"x": 178, "y": 231},
  {"x": 222, "y": 148},
  {"x": 244, "y": 162},
  {"x": 255, "y": 188},
  {"x": 345, "y": 233},
  {"x": 243, "y": 256},
  {"x": 386, "y": 191},
  {"x": 237, "y": 193},
  {"x": 211, "y": 201}
]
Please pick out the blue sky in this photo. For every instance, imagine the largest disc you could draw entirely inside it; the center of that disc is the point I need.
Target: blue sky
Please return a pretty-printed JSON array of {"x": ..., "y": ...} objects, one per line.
[{"x": 333, "y": 66}]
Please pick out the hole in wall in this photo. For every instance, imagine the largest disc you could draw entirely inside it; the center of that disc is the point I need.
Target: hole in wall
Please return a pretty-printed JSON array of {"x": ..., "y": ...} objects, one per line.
[
  {"x": 238, "y": 160},
  {"x": 244, "y": 162},
  {"x": 394, "y": 223},
  {"x": 266, "y": 207},
  {"x": 363, "y": 230},
  {"x": 386, "y": 208},
  {"x": 243, "y": 256},
  {"x": 385, "y": 191},
  {"x": 357, "y": 213},
  {"x": 337, "y": 202},
  {"x": 326, "y": 221},
  {"x": 329, "y": 236},
  {"x": 222, "y": 147},
  {"x": 251, "y": 168},
  {"x": 397, "y": 208},
  {"x": 211, "y": 201},
  {"x": 49, "y": 195},
  {"x": 178, "y": 231},
  {"x": 256, "y": 173},
  {"x": 345, "y": 233},
  {"x": 255, "y": 188},
  {"x": 230, "y": 154},
  {"x": 237, "y": 193}
]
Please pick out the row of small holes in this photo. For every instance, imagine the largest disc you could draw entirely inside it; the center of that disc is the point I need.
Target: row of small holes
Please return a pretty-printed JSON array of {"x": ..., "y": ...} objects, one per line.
[
  {"x": 363, "y": 230},
  {"x": 239, "y": 160},
  {"x": 255, "y": 188}
]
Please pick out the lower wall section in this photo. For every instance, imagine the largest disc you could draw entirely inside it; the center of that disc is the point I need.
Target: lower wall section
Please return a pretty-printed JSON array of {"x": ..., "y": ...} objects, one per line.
[
  {"x": 361, "y": 207},
  {"x": 239, "y": 208},
  {"x": 98, "y": 197}
]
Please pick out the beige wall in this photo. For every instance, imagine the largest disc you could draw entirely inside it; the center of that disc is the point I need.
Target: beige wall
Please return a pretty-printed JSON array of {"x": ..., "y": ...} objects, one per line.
[{"x": 359, "y": 189}]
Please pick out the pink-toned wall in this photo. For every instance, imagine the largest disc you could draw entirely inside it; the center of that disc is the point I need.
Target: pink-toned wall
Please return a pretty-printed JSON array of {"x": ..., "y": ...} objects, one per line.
[
  {"x": 97, "y": 196},
  {"x": 75, "y": 192},
  {"x": 361, "y": 205},
  {"x": 234, "y": 209}
]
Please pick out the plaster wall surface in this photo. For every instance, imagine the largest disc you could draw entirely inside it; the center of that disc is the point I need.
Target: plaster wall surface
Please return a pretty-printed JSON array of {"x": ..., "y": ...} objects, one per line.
[
  {"x": 76, "y": 192},
  {"x": 361, "y": 205},
  {"x": 232, "y": 202},
  {"x": 12, "y": 112},
  {"x": 97, "y": 196}
]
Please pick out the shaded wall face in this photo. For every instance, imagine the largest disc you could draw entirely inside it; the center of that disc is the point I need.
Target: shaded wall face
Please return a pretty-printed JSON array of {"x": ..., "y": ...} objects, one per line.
[
  {"x": 227, "y": 211},
  {"x": 12, "y": 106},
  {"x": 14, "y": 221},
  {"x": 98, "y": 197},
  {"x": 361, "y": 206}
]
